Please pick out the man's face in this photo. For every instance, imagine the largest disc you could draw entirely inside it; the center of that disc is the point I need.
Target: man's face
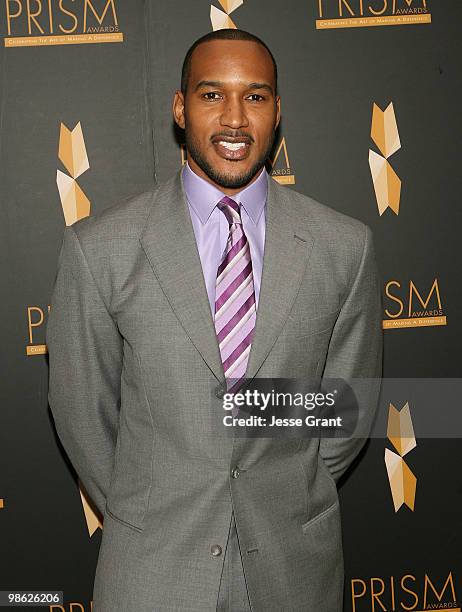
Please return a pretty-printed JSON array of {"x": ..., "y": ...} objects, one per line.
[{"x": 230, "y": 112}]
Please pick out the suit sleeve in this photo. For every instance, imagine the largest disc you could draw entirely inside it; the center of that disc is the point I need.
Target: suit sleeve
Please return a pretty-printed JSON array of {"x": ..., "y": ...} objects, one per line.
[
  {"x": 355, "y": 352},
  {"x": 85, "y": 360}
]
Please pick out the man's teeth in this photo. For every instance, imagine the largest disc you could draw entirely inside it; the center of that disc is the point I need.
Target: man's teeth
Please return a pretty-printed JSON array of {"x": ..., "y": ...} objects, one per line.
[{"x": 232, "y": 146}]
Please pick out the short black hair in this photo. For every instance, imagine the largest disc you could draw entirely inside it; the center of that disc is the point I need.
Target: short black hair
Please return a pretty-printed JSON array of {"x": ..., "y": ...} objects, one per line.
[{"x": 223, "y": 34}]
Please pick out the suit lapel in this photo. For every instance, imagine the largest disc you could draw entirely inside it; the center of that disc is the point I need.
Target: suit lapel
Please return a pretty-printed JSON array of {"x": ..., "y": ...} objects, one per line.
[
  {"x": 170, "y": 245},
  {"x": 288, "y": 246}
]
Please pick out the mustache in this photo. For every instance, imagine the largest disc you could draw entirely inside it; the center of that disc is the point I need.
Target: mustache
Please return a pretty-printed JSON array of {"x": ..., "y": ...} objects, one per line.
[{"x": 233, "y": 135}]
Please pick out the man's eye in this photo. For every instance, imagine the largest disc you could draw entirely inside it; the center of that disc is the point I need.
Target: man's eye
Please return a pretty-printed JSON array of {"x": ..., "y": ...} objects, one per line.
[
  {"x": 258, "y": 96},
  {"x": 210, "y": 93}
]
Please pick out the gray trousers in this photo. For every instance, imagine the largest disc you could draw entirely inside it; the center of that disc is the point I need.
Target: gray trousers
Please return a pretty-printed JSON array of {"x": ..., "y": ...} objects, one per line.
[{"x": 233, "y": 596}]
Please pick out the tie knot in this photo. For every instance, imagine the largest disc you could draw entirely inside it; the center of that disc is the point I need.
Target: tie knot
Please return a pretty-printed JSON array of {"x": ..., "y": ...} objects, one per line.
[{"x": 231, "y": 210}]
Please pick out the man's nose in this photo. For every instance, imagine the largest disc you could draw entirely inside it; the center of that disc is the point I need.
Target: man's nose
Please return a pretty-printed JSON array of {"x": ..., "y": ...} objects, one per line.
[{"x": 233, "y": 114}]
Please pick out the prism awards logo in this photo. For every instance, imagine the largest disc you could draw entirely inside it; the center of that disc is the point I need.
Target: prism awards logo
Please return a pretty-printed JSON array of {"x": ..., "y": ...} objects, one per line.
[
  {"x": 220, "y": 19},
  {"x": 91, "y": 517},
  {"x": 75, "y": 205},
  {"x": 183, "y": 154},
  {"x": 333, "y": 14},
  {"x": 40, "y": 23},
  {"x": 406, "y": 305},
  {"x": 73, "y": 155},
  {"x": 72, "y": 606},
  {"x": 400, "y": 433},
  {"x": 407, "y": 592},
  {"x": 35, "y": 325},
  {"x": 387, "y": 184},
  {"x": 280, "y": 168}
]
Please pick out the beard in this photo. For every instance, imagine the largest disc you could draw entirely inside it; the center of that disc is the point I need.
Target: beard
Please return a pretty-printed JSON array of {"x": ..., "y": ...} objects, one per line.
[{"x": 228, "y": 181}]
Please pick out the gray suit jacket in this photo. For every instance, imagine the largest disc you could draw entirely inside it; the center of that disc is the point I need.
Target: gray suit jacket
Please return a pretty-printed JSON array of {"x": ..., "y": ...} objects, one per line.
[{"x": 134, "y": 368}]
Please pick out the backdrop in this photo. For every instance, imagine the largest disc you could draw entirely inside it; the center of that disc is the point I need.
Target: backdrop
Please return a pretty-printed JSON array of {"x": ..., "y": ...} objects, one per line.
[{"x": 371, "y": 126}]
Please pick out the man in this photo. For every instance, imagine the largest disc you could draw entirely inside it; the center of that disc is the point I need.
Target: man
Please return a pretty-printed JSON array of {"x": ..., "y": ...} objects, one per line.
[{"x": 168, "y": 299}]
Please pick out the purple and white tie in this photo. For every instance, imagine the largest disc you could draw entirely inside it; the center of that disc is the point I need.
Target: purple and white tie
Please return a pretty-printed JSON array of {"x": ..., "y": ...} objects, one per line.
[{"x": 235, "y": 306}]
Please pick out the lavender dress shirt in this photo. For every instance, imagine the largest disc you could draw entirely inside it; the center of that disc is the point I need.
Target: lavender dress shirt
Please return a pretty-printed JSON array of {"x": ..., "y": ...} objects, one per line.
[{"x": 212, "y": 229}]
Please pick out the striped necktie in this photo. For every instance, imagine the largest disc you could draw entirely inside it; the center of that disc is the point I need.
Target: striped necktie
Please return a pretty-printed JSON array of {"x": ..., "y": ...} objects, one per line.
[{"x": 235, "y": 306}]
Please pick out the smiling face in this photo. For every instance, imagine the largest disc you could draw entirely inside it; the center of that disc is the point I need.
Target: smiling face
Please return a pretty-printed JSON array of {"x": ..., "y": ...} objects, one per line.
[{"x": 230, "y": 112}]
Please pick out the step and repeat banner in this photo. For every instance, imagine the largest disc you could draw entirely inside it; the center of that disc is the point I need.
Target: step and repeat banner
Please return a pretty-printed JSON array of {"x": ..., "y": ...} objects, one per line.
[{"x": 371, "y": 126}]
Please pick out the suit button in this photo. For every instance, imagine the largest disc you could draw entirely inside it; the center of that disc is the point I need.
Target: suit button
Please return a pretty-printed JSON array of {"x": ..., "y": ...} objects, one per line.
[
  {"x": 220, "y": 392},
  {"x": 235, "y": 472},
  {"x": 216, "y": 550}
]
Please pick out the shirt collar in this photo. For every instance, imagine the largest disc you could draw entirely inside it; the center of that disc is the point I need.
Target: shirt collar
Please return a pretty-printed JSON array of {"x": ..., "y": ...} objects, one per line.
[{"x": 203, "y": 196}]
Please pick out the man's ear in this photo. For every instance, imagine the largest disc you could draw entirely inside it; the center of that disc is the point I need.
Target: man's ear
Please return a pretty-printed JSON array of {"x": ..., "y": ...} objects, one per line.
[{"x": 178, "y": 108}]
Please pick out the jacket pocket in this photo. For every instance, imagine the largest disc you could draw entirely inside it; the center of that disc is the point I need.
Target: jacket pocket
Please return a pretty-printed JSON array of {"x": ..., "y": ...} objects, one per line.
[
  {"x": 310, "y": 326},
  {"x": 121, "y": 521},
  {"x": 323, "y": 514}
]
